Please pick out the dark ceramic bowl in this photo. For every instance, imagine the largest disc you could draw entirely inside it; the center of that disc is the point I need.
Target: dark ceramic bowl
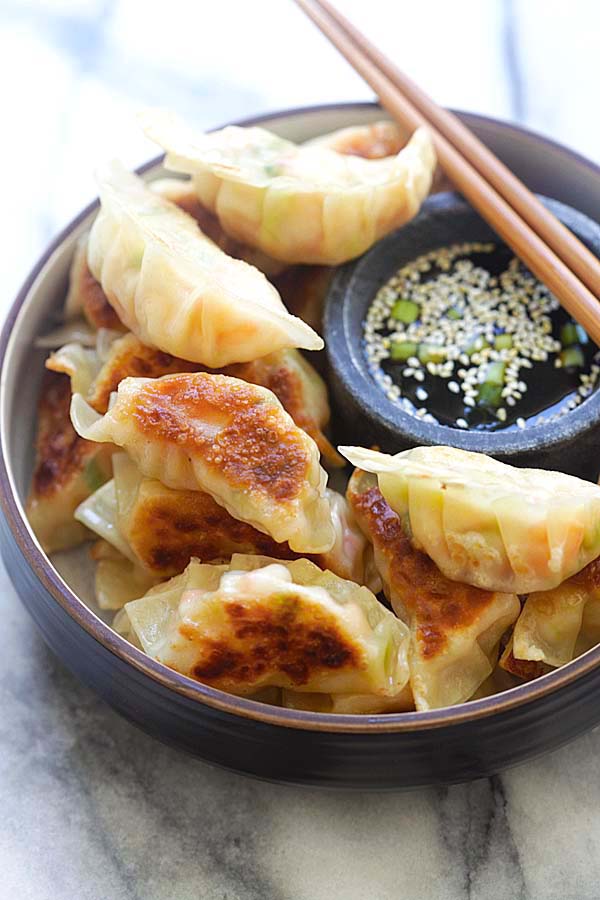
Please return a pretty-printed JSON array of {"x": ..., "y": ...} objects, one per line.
[
  {"x": 392, "y": 751},
  {"x": 569, "y": 444}
]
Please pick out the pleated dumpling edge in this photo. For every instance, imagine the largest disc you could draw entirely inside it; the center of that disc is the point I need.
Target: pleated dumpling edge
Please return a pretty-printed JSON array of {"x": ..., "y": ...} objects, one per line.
[
  {"x": 175, "y": 289},
  {"x": 486, "y": 523}
]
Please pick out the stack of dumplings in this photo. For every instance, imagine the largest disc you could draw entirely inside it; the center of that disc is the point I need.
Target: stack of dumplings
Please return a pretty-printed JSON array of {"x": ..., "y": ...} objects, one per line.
[{"x": 183, "y": 436}]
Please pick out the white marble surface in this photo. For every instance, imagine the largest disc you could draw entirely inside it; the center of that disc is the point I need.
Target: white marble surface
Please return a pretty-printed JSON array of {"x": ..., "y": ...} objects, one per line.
[{"x": 91, "y": 808}]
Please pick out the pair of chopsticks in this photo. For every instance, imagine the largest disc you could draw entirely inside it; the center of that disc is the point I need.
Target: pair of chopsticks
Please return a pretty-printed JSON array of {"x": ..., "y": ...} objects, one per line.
[{"x": 544, "y": 244}]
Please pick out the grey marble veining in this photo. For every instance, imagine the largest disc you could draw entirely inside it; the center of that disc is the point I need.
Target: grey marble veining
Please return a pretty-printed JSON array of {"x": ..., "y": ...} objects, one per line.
[{"x": 93, "y": 809}]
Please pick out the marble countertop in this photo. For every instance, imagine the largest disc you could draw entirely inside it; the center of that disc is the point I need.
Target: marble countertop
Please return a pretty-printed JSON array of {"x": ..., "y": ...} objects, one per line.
[{"x": 92, "y": 808}]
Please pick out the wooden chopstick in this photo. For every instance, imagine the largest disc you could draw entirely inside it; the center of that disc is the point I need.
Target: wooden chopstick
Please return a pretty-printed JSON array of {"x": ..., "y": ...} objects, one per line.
[
  {"x": 557, "y": 236},
  {"x": 514, "y": 230}
]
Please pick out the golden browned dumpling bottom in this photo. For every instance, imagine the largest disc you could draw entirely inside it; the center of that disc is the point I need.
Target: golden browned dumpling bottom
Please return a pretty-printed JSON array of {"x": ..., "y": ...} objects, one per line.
[
  {"x": 439, "y": 604},
  {"x": 166, "y": 528},
  {"x": 296, "y": 385},
  {"x": 292, "y": 639},
  {"x": 86, "y": 294},
  {"x": 129, "y": 358},
  {"x": 66, "y": 468}
]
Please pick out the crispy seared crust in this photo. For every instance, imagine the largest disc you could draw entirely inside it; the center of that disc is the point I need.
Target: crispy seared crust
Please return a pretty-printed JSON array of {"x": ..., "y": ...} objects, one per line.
[
  {"x": 166, "y": 528},
  {"x": 256, "y": 447},
  {"x": 374, "y": 141},
  {"x": 437, "y": 604},
  {"x": 293, "y": 638},
  {"x": 131, "y": 358},
  {"x": 60, "y": 452},
  {"x": 527, "y": 669},
  {"x": 86, "y": 294},
  {"x": 58, "y": 484},
  {"x": 278, "y": 375}
]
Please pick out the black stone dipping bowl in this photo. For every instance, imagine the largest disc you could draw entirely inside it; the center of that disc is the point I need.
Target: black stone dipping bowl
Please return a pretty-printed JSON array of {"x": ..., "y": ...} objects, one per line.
[{"x": 365, "y": 416}]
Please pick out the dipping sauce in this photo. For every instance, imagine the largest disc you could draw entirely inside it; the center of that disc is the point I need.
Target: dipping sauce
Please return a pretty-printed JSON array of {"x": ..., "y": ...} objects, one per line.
[{"x": 467, "y": 337}]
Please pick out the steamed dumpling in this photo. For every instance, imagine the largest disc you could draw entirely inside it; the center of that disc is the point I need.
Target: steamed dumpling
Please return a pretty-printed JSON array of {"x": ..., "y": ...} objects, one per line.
[
  {"x": 231, "y": 439},
  {"x": 260, "y": 622},
  {"x": 487, "y": 523},
  {"x": 455, "y": 628},
  {"x": 300, "y": 204},
  {"x": 175, "y": 289}
]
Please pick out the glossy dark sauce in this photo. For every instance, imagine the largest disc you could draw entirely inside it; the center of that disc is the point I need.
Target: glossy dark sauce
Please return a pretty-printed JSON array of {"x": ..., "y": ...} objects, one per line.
[{"x": 549, "y": 390}]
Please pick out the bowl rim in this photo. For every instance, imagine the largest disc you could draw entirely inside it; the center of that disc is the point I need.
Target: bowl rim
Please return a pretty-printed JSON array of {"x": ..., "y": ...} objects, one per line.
[{"x": 204, "y": 695}]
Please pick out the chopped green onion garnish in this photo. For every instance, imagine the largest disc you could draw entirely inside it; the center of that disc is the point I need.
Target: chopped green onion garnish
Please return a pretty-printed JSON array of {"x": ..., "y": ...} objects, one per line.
[
  {"x": 400, "y": 351},
  {"x": 454, "y": 313},
  {"x": 490, "y": 391},
  {"x": 494, "y": 374},
  {"x": 568, "y": 334},
  {"x": 476, "y": 346},
  {"x": 405, "y": 311},
  {"x": 572, "y": 357},
  {"x": 503, "y": 342},
  {"x": 489, "y": 394},
  {"x": 431, "y": 353}
]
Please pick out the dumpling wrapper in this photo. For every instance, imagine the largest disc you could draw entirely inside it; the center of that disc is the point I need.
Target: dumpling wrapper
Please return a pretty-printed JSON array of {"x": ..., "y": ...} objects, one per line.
[
  {"x": 259, "y": 622},
  {"x": 85, "y": 295},
  {"x": 117, "y": 579},
  {"x": 160, "y": 529},
  {"x": 175, "y": 289},
  {"x": 67, "y": 469},
  {"x": 183, "y": 194},
  {"x": 299, "y": 204},
  {"x": 455, "y": 628},
  {"x": 375, "y": 141},
  {"x": 298, "y": 386},
  {"x": 486, "y": 523},
  {"x": 228, "y": 438},
  {"x": 556, "y": 626}
]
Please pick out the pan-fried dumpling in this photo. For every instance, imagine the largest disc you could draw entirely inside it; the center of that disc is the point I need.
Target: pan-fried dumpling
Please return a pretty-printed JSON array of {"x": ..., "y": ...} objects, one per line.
[
  {"x": 300, "y": 389},
  {"x": 161, "y": 529},
  {"x": 67, "y": 469},
  {"x": 85, "y": 295},
  {"x": 260, "y": 622},
  {"x": 83, "y": 363},
  {"x": 374, "y": 141},
  {"x": 184, "y": 195},
  {"x": 558, "y": 625},
  {"x": 525, "y": 669},
  {"x": 128, "y": 357},
  {"x": 231, "y": 439},
  {"x": 97, "y": 371},
  {"x": 487, "y": 523},
  {"x": 175, "y": 289},
  {"x": 299, "y": 204},
  {"x": 455, "y": 628}
]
